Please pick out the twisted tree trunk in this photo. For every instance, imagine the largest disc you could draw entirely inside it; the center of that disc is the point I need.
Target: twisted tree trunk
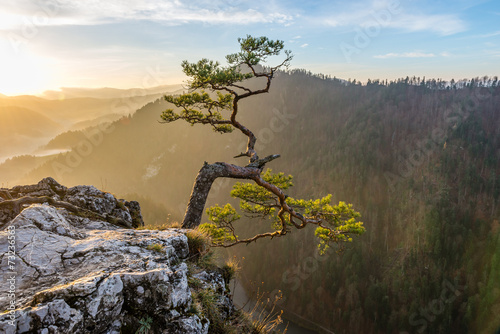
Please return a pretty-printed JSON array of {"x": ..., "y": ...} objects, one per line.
[{"x": 206, "y": 176}]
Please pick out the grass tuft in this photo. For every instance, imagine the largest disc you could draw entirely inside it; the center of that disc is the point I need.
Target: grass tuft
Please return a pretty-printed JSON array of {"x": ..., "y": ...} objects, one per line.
[{"x": 156, "y": 247}]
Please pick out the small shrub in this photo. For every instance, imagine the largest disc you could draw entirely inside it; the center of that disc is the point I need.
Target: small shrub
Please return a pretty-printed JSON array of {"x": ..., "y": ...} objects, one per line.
[
  {"x": 164, "y": 226},
  {"x": 145, "y": 326},
  {"x": 194, "y": 283},
  {"x": 174, "y": 225},
  {"x": 156, "y": 247},
  {"x": 230, "y": 269},
  {"x": 265, "y": 317},
  {"x": 195, "y": 307},
  {"x": 209, "y": 302},
  {"x": 120, "y": 204},
  {"x": 198, "y": 242},
  {"x": 167, "y": 225},
  {"x": 161, "y": 226}
]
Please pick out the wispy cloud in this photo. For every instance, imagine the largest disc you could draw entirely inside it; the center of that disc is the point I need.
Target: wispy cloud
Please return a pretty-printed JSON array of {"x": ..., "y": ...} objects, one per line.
[
  {"x": 170, "y": 12},
  {"x": 493, "y": 53},
  {"x": 175, "y": 12},
  {"x": 406, "y": 55},
  {"x": 383, "y": 14},
  {"x": 304, "y": 45},
  {"x": 493, "y": 34},
  {"x": 441, "y": 24}
]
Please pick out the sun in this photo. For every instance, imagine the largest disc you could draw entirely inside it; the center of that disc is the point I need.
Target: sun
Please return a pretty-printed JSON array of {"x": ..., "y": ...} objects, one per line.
[{"x": 22, "y": 72}]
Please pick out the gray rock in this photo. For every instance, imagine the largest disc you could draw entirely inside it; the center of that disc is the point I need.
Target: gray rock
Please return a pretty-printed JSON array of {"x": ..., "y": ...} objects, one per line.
[
  {"x": 86, "y": 199},
  {"x": 46, "y": 187},
  {"x": 77, "y": 274},
  {"x": 91, "y": 198},
  {"x": 190, "y": 325}
]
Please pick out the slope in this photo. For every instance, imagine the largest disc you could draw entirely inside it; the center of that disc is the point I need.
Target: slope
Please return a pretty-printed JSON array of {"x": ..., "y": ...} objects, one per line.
[
  {"x": 22, "y": 129},
  {"x": 98, "y": 107}
]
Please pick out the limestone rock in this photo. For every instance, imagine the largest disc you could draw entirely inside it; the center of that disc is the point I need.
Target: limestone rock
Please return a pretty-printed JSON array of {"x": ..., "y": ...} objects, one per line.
[
  {"x": 46, "y": 187},
  {"x": 77, "y": 274},
  {"x": 86, "y": 198}
]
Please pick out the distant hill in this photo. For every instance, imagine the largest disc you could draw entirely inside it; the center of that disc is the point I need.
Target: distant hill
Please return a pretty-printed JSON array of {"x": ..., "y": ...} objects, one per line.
[
  {"x": 107, "y": 93},
  {"x": 65, "y": 140},
  {"x": 22, "y": 129},
  {"x": 70, "y": 111},
  {"x": 14, "y": 168},
  {"x": 24, "y": 122},
  {"x": 73, "y": 105},
  {"x": 109, "y": 118},
  {"x": 79, "y": 109}
]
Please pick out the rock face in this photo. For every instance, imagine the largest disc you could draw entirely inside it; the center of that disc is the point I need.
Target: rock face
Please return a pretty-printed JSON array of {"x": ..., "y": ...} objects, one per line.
[
  {"x": 75, "y": 273},
  {"x": 80, "y": 200}
]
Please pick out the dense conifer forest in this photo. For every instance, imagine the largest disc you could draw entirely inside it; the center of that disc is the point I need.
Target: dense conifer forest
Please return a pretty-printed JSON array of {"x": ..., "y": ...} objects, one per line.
[{"x": 421, "y": 161}]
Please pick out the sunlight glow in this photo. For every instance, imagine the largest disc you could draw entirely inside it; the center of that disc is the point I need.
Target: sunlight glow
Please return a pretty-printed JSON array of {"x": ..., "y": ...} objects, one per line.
[
  {"x": 23, "y": 73},
  {"x": 9, "y": 21}
]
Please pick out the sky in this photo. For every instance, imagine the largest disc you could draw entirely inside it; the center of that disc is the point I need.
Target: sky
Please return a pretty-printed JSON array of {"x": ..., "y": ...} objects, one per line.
[{"x": 49, "y": 44}]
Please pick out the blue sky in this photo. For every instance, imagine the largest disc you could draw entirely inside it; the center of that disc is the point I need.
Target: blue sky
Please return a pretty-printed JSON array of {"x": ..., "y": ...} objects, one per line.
[{"x": 47, "y": 44}]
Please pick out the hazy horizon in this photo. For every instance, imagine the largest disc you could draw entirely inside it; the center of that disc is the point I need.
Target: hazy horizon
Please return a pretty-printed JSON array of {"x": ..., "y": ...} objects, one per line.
[
  {"x": 59, "y": 93},
  {"x": 48, "y": 45}
]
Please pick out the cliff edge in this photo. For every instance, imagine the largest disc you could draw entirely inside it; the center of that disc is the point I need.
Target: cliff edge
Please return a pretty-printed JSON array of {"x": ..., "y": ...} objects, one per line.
[{"x": 72, "y": 264}]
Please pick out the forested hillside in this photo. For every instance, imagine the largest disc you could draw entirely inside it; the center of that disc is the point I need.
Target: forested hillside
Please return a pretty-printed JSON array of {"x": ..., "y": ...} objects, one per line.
[
  {"x": 20, "y": 127},
  {"x": 420, "y": 159},
  {"x": 28, "y": 122}
]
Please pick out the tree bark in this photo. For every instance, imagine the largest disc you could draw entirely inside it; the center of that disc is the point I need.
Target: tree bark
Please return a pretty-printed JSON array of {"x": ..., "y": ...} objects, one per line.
[{"x": 206, "y": 176}]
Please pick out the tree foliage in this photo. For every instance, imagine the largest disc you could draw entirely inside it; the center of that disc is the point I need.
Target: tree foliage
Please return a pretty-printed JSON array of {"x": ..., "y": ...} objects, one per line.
[
  {"x": 264, "y": 197},
  {"x": 335, "y": 222}
]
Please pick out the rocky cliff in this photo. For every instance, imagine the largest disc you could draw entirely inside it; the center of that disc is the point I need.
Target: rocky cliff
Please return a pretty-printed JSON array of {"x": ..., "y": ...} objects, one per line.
[{"x": 72, "y": 264}]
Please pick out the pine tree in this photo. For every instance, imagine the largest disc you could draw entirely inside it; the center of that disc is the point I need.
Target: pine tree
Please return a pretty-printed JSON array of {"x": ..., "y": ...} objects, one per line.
[{"x": 213, "y": 97}]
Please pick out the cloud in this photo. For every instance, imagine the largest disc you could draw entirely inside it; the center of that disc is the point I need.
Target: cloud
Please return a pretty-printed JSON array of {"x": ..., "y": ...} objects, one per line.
[
  {"x": 406, "y": 55},
  {"x": 170, "y": 12},
  {"x": 393, "y": 14},
  {"x": 441, "y": 24},
  {"x": 493, "y": 53},
  {"x": 304, "y": 45},
  {"x": 175, "y": 12},
  {"x": 493, "y": 34}
]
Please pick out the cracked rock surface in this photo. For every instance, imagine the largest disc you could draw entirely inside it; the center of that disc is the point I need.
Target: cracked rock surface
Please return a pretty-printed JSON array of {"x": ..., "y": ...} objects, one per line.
[
  {"x": 77, "y": 274},
  {"x": 85, "y": 201}
]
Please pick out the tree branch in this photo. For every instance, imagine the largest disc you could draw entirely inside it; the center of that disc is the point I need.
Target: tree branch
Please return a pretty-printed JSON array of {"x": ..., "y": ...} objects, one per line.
[
  {"x": 261, "y": 162},
  {"x": 254, "y": 238}
]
